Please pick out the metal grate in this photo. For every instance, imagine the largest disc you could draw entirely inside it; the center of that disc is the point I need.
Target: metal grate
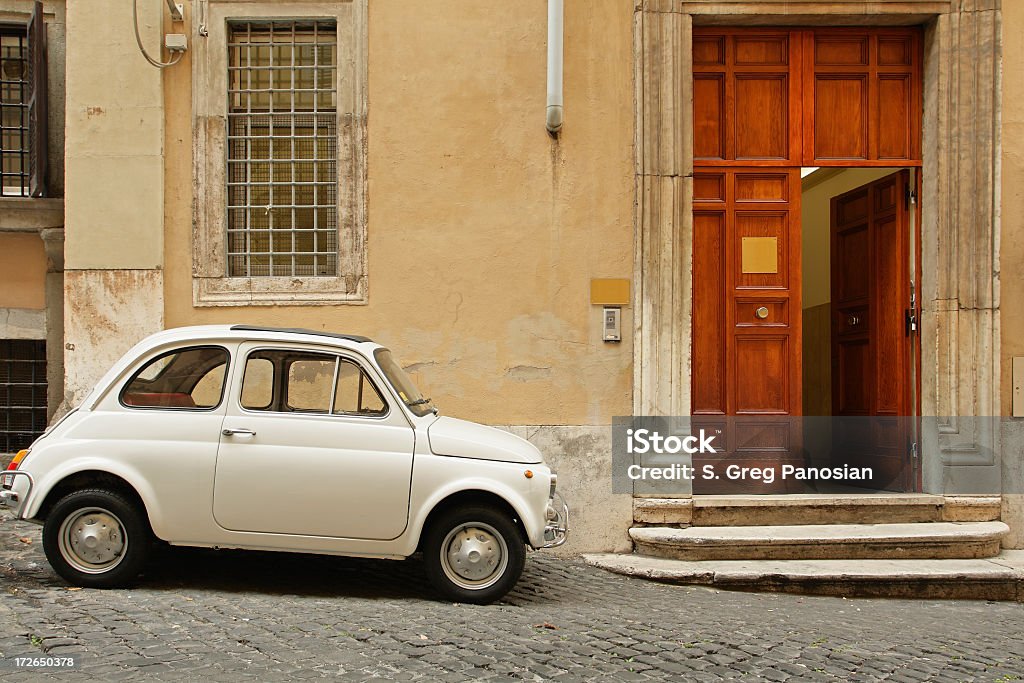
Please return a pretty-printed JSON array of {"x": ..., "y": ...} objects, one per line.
[
  {"x": 282, "y": 173},
  {"x": 22, "y": 393},
  {"x": 14, "y": 129}
]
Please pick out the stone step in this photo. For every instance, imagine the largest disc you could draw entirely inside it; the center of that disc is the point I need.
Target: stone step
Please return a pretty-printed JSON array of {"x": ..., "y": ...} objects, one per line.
[
  {"x": 880, "y": 508},
  {"x": 934, "y": 540},
  {"x": 996, "y": 578}
]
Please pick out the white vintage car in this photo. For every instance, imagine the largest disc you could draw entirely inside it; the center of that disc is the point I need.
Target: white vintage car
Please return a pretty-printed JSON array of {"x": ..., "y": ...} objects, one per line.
[{"x": 273, "y": 439}]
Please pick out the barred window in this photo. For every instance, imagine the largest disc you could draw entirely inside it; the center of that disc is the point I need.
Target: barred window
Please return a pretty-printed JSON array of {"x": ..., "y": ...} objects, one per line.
[
  {"x": 22, "y": 393},
  {"x": 14, "y": 127},
  {"x": 282, "y": 161}
]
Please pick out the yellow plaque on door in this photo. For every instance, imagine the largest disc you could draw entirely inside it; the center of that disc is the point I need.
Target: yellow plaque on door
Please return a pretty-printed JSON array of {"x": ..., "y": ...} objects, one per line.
[{"x": 760, "y": 254}]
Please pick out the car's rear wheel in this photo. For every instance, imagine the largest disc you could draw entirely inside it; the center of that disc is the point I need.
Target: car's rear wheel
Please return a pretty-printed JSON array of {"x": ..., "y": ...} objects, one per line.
[
  {"x": 473, "y": 554},
  {"x": 96, "y": 538}
]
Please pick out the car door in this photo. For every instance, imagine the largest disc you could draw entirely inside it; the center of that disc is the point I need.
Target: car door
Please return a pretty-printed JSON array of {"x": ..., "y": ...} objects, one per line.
[{"x": 314, "y": 445}]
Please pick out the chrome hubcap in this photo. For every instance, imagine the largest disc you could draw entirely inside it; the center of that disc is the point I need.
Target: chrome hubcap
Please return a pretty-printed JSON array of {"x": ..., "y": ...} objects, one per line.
[
  {"x": 474, "y": 555},
  {"x": 92, "y": 540}
]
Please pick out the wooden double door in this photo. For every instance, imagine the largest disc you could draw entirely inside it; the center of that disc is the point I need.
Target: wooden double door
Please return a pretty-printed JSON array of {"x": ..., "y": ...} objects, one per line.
[{"x": 767, "y": 103}]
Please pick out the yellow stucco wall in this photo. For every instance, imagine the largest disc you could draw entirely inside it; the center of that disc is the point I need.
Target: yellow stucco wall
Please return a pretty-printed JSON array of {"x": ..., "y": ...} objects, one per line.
[
  {"x": 22, "y": 271},
  {"x": 113, "y": 144},
  {"x": 1012, "y": 233},
  {"x": 483, "y": 232}
]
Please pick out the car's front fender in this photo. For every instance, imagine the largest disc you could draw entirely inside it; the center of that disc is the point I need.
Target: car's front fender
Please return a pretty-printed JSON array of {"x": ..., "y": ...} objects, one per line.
[{"x": 438, "y": 478}]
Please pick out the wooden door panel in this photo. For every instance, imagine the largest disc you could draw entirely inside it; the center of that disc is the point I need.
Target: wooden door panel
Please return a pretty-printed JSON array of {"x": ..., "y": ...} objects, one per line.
[
  {"x": 709, "y": 307},
  {"x": 888, "y": 328},
  {"x": 749, "y": 311},
  {"x": 897, "y": 49},
  {"x": 862, "y": 96},
  {"x": 894, "y": 118},
  {"x": 746, "y": 96},
  {"x": 709, "y": 187},
  {"x": 746, "y": 353},
  {"x": 852, "y": 207},
  {"x": 746, "y": 290},
  {"x": 850, "y": 278},
  {"x": 755, "y": 50},
  {"x": 841, "y": 117},
  {"x": 709, "y": 116},
  {"x": 708, "y": 50},
  {"x": 756, "y": 234},
  {"x": 761, "y": 116},
  {"x": 841, "y": 50},
  {"x": 872, "y": 377},
  {"x": 855, "y": 93},
  {"x": 765, "y": 102},
  {"x": 852, "y": 365},
  {"x": 762, "y": 187},
  {"x": 761, "y": 380}
]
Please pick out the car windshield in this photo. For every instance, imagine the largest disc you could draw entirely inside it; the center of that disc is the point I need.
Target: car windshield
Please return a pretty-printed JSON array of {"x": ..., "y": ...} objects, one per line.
[{"x": 407, "y": 391}]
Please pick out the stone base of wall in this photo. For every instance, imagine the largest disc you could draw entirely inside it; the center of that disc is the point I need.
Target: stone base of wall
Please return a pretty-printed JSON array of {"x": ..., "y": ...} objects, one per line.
[
  {"x": 106, "y": 312},
  {"x": 582, "y": 457}
]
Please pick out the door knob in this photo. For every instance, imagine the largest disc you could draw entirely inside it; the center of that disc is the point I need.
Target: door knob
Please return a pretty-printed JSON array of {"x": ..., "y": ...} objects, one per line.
[
  {"x": 761, "y": 312},
  {"x": 852, "y": 321}
]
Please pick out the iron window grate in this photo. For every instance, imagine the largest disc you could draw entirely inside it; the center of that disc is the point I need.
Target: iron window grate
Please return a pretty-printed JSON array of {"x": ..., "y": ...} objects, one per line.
[
  {"x": 14, "y": 115},
  {"x": 22, "y": 393},
  {"x": 282, "y": 161}
]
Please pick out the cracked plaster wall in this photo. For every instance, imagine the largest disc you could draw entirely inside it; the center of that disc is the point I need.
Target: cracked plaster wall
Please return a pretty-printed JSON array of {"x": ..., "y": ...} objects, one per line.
[{"x": 483, "y": 232}]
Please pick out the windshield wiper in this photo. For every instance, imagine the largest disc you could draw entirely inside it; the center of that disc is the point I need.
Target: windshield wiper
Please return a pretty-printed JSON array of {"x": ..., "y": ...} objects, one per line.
[{"x": 418, "y": 402}]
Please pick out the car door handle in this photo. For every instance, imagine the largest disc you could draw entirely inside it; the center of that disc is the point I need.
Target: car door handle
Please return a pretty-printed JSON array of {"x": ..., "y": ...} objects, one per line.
[{"x": 238, "y": 432}]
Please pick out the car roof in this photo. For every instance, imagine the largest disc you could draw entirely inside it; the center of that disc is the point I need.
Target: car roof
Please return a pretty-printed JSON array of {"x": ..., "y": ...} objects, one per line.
[
  {"x": 301, "y": 330},
  {"x": 243, "y": 332},
  {"x": 213, "y": 333}
]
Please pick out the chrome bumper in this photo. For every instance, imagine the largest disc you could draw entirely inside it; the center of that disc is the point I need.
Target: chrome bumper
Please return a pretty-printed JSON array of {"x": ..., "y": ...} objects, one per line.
[
  {"x": 557, "y": 529},
  {"x": 10, "y": 498}
]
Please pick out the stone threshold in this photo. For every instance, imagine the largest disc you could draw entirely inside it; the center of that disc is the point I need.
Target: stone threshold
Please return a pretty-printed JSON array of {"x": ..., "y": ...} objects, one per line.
[
  {"x": 841, "y": 508},
  {"x": 996, "y": 578}
]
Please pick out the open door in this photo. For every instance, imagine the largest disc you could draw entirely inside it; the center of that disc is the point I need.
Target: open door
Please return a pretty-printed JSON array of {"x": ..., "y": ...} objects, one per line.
[{"x": 872, "y": 331}]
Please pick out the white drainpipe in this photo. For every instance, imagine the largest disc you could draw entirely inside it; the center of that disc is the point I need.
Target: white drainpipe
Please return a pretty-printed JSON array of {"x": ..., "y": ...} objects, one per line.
[{"x": 554, "y": 112}]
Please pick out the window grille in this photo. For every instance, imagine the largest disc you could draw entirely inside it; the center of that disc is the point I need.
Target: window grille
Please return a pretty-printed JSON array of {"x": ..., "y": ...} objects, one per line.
[
  {"x": 282, "y": 168},
  {"x": 22, "y": 393},
  {"x": 14, "y": 126}
]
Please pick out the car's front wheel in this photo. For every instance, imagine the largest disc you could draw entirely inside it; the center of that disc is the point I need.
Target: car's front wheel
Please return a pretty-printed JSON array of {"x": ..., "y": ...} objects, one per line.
[
  {"x": 473, "y": 554},
  {"x": 96, "y": 538}
]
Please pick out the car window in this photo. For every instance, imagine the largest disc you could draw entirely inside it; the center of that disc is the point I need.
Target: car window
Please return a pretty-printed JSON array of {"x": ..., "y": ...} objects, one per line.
[
  {"x": 278, "y": 380},
  {"x": 310, "y": 380},
  {"x": 258, "y": 383},
  {"x": 355, "y": 393},
  {"x": 207, "y": 391},
  {"x": 190, "y": 378},
  {"x": 407, "y": 391}
]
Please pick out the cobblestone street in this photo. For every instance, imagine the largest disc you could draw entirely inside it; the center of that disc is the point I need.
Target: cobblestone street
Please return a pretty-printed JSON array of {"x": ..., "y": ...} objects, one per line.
[{"x": 261, "y": 616}]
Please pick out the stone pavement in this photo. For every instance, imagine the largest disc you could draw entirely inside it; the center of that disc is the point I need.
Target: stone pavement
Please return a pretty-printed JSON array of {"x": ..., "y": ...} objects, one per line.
[{"x": 231, "y": 616}]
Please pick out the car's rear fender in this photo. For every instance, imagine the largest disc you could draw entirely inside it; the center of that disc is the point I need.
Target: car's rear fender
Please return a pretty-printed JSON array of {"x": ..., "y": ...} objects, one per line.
[{"x": 51, "y": 482}]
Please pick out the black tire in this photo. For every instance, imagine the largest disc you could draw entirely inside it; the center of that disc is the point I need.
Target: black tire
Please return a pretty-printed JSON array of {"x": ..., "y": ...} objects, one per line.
[
  {"x": 97, "y": 538},
  {"x": 462, "y": 575}
]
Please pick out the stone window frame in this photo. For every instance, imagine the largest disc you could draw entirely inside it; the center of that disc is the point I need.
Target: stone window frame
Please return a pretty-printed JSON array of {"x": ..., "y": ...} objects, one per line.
[
  {"x": 211, "y": 285},
  {"x": 960, "y": 231}
]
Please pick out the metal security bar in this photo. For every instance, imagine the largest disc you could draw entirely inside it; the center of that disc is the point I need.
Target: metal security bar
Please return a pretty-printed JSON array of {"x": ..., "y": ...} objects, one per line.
[
  {"x": 22, "y": 393},
  {"x": 282, "y": 165},
  {"x": 14, "y": 128}
]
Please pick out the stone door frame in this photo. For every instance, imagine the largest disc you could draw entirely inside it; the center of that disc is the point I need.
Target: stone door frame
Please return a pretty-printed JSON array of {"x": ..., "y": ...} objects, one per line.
[{"x": 960, "y": 219}]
